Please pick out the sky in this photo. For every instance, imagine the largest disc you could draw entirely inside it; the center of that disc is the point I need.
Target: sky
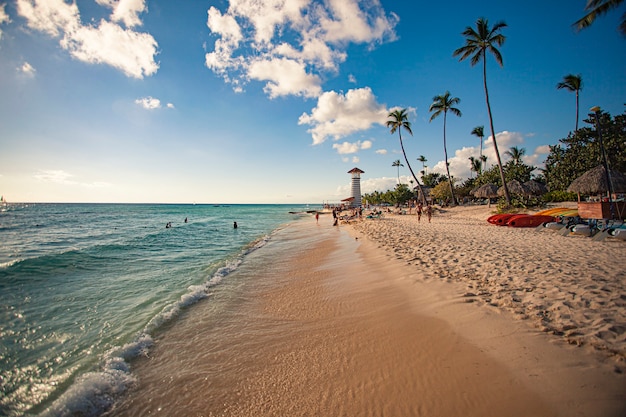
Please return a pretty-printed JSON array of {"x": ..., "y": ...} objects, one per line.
[{"x": 274, "y": 101}]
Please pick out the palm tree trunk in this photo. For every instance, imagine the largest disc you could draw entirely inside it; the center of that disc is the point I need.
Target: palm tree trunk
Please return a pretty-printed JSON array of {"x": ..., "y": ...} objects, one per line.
[
  {"x": 493, "y": 134},
  {"x": 445, "y": 154},
  {"x": 411, "y": 169},
  {"x": 576, "y": 111}
]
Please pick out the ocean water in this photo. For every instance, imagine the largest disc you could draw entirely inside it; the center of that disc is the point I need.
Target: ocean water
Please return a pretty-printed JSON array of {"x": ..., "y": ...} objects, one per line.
[{"x": 84, "y": 287}]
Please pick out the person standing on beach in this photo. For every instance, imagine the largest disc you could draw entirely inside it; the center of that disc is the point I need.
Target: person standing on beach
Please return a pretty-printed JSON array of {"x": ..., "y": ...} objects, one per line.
[
  {"x": 429, "y": 212},
  {"x": 317, "y": 217},
  {"x": 418, "y": 211}
]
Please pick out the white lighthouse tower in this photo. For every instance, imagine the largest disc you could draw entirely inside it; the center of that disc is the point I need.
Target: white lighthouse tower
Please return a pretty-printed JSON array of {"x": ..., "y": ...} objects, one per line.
[{"x": 356, "y": 186}]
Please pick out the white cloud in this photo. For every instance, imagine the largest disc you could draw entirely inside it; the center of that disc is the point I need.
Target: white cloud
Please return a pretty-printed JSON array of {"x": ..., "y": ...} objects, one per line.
[
  {"x": 149, "y": 103},
  {"x": 108, "y": 43},
  {"x": 63, "y": 178},
  {"x": 4, "y": 17},
  {"x": 381, "y": 151},
  {"x": 126, "y": 11},
  {"x": 57, "y": 176},
  {"x": 286, "y": 77},
  {"x": 170, "y": 106},
  {"x": 337, "y": 115},
  {"x": 27, "y": 69},
  {"x": 311, "y": 36},
  {"x": 351, "y": 79},
  {"x": 348, "y": 148}
]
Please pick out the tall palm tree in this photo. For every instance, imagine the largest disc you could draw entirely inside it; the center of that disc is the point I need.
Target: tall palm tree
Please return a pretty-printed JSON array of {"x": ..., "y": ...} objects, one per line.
[
  {"x": 598, "y": 8},
  {"x": 398, "y": 164},
  {"x": 423, "y": 160},
  {"x": 479, "y": 131},
  {"x": 475, "y": 165},
  {"x": 443, "y": 104},
  {"x": 398, "y": 120},
  {"x": 477, "y": 42},
  {"x": 574, "y": 83},
  {"x": 516, "y": 154},
  {"x": 483, "y": 164}
]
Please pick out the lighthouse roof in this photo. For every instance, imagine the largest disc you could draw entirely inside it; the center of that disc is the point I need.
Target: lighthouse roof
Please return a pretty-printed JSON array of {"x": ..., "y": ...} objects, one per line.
[{"x": 355, "y": 169}]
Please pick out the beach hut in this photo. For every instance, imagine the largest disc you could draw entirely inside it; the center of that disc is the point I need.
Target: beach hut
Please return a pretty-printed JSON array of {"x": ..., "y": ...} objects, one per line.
[
  {"x": 515, "y": 187},
  {"x": 487, "y": 191},
  {"x": 535, "y": 187},
  {"x": 594, "y": 183}
]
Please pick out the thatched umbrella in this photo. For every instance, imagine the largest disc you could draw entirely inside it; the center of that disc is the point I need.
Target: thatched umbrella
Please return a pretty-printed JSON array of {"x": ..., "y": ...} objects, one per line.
[
  {"x": 594, "y": 182},
  {"x": 535, "y": 187},
  {"x": 486, "y": 191},
  {"x": 515, "y": 187}
]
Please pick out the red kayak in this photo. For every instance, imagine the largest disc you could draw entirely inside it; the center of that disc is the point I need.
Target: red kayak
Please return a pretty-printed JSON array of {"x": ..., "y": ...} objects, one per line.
[
  {"x": 528, "y": 220},
  {"x": 504, "y": 219}
]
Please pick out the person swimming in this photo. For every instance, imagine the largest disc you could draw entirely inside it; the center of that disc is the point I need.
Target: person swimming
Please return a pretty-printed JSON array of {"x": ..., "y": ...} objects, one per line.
[{"x": 234, "y": 225}]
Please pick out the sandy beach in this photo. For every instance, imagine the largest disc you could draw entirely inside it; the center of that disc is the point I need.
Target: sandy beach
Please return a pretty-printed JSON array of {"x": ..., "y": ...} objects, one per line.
[{"x": 373, "y": 319}]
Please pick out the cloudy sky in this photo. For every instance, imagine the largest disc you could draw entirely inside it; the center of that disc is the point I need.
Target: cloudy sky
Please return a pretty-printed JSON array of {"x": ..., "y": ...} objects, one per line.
[{"x": 273, "y": 101}]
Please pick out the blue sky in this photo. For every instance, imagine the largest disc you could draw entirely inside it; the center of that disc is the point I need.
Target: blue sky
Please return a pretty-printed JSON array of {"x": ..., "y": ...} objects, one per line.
[{"x": 240, "y": 102}]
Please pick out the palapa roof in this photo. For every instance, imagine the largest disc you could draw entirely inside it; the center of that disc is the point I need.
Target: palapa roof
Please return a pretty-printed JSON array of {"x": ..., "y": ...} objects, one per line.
[
  {"x": 486, "y": 191},
  {"x": 514, "y": 187},
  {"x": 535, "y": 187},
  {"x": 594, "y": 182}
]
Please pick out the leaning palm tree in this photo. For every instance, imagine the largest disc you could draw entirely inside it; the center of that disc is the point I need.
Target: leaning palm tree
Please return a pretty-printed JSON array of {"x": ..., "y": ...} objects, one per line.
[
  {"x": 477, "y": 42},
  {"x": 516, "y": 154},
  {"x": 398, "y": 164},
  {"x": 598, "y": 8},
  {"x": 443, "y": 104},
  {"x": 398, "y": 120},
  {"x": 479, "y": 131},
  {"x": 573, "y": 83}
]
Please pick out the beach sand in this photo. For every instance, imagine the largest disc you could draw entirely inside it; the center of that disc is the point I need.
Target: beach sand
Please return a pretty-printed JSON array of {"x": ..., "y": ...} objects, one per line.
[{"x": 351, "y": 321}]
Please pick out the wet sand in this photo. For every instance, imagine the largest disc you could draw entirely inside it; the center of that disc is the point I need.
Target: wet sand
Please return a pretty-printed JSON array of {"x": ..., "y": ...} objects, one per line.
[{"x": 320, "y": 323}]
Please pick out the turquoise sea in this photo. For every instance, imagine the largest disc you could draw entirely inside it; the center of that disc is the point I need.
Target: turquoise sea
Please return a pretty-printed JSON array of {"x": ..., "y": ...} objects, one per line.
[{"x": 83, "y": 288}]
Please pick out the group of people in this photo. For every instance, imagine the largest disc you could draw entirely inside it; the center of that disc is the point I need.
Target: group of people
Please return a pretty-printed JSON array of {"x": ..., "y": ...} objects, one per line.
[{"x": 420, "y": 209}]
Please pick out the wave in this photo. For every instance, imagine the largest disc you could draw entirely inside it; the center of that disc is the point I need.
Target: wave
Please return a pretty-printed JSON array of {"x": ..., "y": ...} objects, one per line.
[{"x": 94, "y": 393}]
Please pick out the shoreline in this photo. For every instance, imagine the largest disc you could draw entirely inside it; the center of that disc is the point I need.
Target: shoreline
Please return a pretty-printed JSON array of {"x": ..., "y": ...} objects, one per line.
[{"x": 321, "y": 323}]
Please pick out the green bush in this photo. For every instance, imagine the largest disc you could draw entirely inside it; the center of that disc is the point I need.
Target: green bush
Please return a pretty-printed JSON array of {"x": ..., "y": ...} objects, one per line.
[{"x": 558, "y": 196}]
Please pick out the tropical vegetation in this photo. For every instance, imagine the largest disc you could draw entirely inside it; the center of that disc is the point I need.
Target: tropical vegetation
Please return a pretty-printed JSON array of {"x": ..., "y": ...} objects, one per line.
[
  {"x": 444, "y": 104},
  {"x": 575, "y": 154},
  {"x": 477, "y": 42},
  {"x": 398, "y": 120},
  {"x": 597, "y": 8},
  {"x": 572, "y": 83}
]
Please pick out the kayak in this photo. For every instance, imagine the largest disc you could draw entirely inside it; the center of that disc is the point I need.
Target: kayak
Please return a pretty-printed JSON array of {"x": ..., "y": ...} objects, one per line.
[
  {"x": 527, "y": 220},
  {"x": 552, "y": 212}
]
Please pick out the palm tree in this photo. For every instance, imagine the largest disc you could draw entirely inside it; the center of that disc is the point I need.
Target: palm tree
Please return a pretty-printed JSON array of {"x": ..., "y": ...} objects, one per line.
[
  {"x": 598, "y": 8},
  {"x": 398, "y": 120},
  {"x": 477, "y": 43},
  {"x": 574, "y": 83},
  {"x": 423, "y": 160},
  {"x": 479, "y": 131},
  {"x": 443, "y": 104},
  {"x": 475, "y": 165},
  {"x": 398, "y": 164},
  {"x": 516, "y": 154},
  {"x": 483, "y": 160}
]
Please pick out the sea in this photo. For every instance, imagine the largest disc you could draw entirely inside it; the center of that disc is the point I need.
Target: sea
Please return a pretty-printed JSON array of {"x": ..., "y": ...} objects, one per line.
[{"x": 85, "y": 287}]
